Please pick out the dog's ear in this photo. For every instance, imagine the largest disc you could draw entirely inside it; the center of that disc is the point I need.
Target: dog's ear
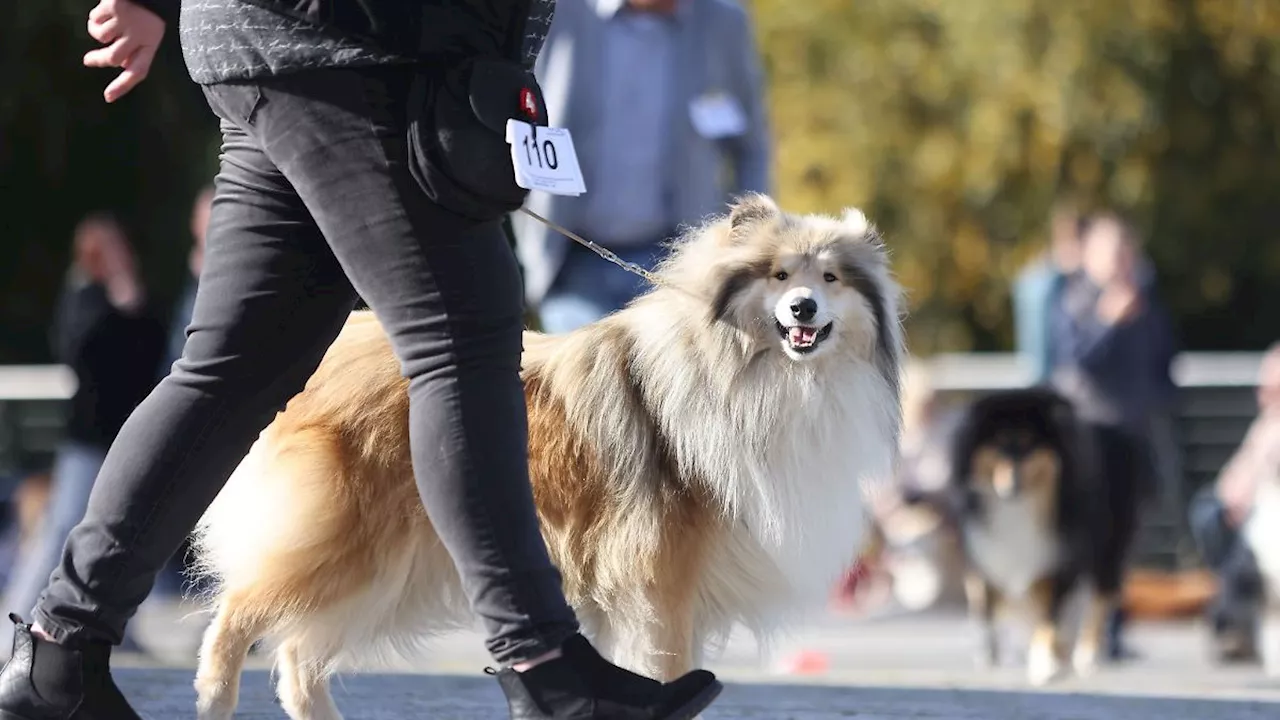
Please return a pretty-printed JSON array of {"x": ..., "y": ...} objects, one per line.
[
  {"x": 856, "y": 222},
  {"x": 750, "y": 209},
  {"x": 732, "y": 283},
  {"x": 1062, "y": 412}
]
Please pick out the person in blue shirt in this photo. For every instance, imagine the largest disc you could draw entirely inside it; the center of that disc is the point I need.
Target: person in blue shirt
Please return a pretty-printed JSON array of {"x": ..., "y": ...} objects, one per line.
[
  {"x": 1038, "y": 288},
  {"x": 1113, "y": 345},
  {"x": 1111, "y": 335}
]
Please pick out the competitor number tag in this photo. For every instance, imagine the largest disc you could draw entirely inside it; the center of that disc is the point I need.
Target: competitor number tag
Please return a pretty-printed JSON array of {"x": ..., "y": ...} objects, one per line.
[{"x": 544, "y": 160}]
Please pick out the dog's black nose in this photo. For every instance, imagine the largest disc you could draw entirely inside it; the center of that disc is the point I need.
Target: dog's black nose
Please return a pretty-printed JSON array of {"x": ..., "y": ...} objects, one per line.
[{"x": 804, "y": 309}]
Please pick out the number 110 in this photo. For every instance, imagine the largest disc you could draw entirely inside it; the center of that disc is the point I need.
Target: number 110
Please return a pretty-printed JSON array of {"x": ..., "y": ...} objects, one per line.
[{"x": 547, "y": 151}]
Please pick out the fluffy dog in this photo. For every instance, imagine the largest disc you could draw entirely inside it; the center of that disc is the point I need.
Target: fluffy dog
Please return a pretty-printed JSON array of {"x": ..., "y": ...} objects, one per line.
[
  {"x": 1038, "y": 523},
  {"x": 698, "y": 460}
]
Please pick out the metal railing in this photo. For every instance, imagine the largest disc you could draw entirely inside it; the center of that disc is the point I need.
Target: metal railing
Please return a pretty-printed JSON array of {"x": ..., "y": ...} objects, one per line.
[{"x": 1216, "y": 407}]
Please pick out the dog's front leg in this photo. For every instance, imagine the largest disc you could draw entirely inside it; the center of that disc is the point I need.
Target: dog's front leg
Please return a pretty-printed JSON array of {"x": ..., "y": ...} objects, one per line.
[
  {"x": 1084, "y": 659},
  {"x": 1044, "y": 662},
  {"x": 663, "y": 648},
  {"x": 982, "y": 599}
]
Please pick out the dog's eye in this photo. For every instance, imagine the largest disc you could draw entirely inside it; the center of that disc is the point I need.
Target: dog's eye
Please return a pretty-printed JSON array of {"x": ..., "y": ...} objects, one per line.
[
  {"x": 829, "y": 277},
  {"x": 780, "y": 275}
]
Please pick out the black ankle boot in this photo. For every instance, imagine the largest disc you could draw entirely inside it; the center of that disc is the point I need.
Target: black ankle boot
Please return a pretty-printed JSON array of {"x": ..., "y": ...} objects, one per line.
[
  {"x": 46, "y": 681},
  {"x": 582, "y": 685}
]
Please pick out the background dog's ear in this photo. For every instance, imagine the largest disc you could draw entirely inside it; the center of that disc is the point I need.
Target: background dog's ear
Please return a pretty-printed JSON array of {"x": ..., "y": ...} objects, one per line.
[
  {"x": 1063, "y": 412},
  {"x": 752, "y": 208}
]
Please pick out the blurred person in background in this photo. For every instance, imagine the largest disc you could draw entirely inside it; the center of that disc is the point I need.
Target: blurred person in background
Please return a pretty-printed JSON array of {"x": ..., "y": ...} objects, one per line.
[
  {"x": 1113, "y": 345},
  {"x": 665, "y": 100},
  {"x": 331, "y": 114},
  {"x": 24, "y": 510},
  {"x": 1038, "y": 289},
  {"x": 1218, "y": 511},
  {"x": 105, "y": 333},
  {"x": 169, "y": 582},
  {"x": 915, "y": 548},
  {"x": 195, "y": 260}
]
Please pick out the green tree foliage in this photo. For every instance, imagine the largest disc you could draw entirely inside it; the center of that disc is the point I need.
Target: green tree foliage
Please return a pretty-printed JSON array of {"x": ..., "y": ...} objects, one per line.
[
  {"x": 954, "y": 123},
  {"x": 64, "y": 152},
  {"x": 957, "y": 124}
]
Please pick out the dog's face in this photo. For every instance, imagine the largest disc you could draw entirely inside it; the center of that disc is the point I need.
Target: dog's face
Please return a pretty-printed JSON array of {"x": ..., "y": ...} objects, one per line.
[
  {"x": 808, "y": 286},
  {"x": 805, "y": 294},
  {"x": 1014, "y": 465},
  {"x": 1011, "y": 450}
]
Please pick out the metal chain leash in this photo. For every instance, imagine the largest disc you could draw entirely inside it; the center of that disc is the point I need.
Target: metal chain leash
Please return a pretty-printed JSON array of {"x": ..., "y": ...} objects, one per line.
[{"x": 597, "y": 249}]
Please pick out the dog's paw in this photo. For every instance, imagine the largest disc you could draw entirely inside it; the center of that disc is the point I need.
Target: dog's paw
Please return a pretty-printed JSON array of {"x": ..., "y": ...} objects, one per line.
[
  {"x": 214, "y": 700},
  {"x": 986, "y": 656},
  {"x": 1043, "y": 666},
  {"x": 986, "y": 648},
  {"x": 1084, "y": 660}
]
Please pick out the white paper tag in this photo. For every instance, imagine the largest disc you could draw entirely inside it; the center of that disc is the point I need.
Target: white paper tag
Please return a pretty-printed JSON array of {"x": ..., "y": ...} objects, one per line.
[
  {"x": 544, "y": 160},
  {"x": 717, "y": 115}
]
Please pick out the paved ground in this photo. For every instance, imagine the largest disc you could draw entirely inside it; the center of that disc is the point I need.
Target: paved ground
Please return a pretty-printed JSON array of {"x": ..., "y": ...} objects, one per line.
[
  {"x": 164, "y": 694},
  {"x": 894, "y": 668}
]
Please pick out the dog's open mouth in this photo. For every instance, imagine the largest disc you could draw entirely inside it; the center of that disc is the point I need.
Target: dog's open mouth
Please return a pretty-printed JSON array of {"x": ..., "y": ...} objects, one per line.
[{"x": 803, "y": 338}]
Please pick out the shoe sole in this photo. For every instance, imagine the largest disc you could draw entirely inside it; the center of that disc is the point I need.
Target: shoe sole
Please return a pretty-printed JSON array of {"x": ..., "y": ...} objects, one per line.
[{"x": 688, "y": 711}]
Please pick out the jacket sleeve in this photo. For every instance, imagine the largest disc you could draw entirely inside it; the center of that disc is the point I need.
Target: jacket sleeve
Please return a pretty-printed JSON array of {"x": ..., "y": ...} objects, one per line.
[
  {"x": 536, "y": 28},
  {"x": 1082, "y": 340},
  {"x": 752, "y": 151},
  {"x": 1161, "y": 335}
]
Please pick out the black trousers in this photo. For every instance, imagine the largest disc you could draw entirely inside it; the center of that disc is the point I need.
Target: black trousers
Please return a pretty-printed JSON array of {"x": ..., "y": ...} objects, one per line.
[
  {"x": 1125, "y": 470},
  {"x": 314, "y": 203},
  {"x": 1127, "y": 475}
]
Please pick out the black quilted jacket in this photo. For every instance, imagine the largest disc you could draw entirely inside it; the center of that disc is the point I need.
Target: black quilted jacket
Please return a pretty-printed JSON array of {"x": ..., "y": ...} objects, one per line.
[{"x": 513, "y": 28}]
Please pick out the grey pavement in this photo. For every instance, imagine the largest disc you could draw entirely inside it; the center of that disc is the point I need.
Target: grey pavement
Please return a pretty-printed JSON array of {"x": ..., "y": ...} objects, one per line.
[
  {"x": 891, "y": 668},
  {"x": 166, "y": 694}
]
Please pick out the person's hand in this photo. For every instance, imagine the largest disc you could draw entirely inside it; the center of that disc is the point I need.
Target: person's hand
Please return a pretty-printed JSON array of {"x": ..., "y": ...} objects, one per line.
[
  {"x": 1119, "y": 302},
  {"x": 131, "y": 35},
  {"x": 1237, "y": 502},
  {"x": 121, "y": 278},
  {"x": 124, "y": 293}
]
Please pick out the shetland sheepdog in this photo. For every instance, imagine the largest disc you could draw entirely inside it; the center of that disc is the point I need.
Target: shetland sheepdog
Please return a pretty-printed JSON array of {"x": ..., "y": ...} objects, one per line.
[
  {"x": 699, "y": 460},
  {"x": 1039, "y": 524}
]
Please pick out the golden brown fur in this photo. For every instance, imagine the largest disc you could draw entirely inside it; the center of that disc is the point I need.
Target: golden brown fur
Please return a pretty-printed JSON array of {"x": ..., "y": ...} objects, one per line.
[{"x": 320, "y": 541}]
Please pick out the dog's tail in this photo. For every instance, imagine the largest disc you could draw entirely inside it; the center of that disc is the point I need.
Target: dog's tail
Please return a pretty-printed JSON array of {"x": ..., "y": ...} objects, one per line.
[
  {"x": 276, "y": 521},
  {"x": 229, "y": 540}
]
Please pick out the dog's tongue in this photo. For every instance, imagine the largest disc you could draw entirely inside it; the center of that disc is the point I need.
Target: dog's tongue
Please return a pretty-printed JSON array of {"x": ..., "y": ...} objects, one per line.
[{"x": 803, "y": 336}]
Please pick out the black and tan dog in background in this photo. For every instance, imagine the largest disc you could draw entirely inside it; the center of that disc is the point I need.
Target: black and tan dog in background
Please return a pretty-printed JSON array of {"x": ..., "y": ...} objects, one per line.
[{"x": 1038, "y": 524}]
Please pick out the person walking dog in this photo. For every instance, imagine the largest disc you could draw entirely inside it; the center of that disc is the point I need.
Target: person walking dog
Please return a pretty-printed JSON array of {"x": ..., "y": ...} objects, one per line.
[{"x": 355, "y": 162}]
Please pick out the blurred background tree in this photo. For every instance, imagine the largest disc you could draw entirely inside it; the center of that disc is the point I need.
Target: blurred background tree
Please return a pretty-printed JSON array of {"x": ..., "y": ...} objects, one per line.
[
  {"x": 954, "y": 124},
  {"x": 957, "y": 125},
  {"x": 64, "y": 153}
]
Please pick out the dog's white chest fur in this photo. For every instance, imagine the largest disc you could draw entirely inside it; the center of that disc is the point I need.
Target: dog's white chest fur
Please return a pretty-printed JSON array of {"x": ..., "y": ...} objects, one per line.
[
  {"x": 798, "y": 484},
  {"x": 1011, "y": 545}
]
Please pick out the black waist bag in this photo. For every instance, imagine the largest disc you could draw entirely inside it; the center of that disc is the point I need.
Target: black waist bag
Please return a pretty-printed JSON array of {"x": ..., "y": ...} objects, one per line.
[{"x": 458, "y": 150}]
